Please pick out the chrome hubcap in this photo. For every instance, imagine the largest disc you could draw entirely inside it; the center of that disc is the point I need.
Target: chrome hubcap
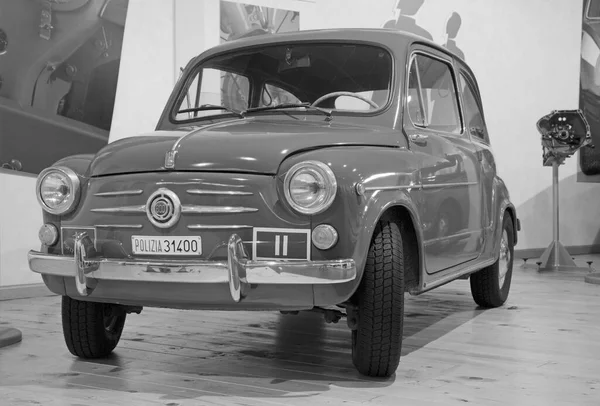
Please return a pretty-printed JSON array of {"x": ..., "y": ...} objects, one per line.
[
  {"x": 443, "y": 227},
  {"x": 504, "y": 260}
]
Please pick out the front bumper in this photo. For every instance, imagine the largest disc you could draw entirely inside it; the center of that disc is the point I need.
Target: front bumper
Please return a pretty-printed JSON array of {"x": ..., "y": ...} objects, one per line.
[{"x": 238, "y": 272}]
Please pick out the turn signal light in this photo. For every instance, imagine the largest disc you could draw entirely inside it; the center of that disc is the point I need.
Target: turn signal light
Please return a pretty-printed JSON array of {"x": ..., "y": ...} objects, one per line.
[
  {"x": 324, "y": 236},
  {"x": 48, "y": 234}
]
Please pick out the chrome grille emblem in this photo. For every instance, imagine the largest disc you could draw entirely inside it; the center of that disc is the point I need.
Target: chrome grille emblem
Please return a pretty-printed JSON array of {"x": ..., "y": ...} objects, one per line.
[{"x": 163, "y": 208}]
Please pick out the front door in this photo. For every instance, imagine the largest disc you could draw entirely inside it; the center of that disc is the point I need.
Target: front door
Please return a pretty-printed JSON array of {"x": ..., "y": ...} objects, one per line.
[{"x": 450, "y": 206}]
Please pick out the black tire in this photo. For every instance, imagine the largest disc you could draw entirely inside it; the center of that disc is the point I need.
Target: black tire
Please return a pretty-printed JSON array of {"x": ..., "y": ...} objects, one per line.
[
  {"x": 91, "y": 330},
  {"x": 377, "y": 341},
  {"x": 486, "y": 288}
]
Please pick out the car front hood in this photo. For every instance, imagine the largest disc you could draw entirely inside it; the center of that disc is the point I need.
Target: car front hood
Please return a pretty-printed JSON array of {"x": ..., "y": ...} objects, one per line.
[{"x": 251, "y": 145}]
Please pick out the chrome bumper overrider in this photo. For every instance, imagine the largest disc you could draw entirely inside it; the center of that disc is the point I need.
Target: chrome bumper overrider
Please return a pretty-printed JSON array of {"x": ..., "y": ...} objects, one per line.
[{"x": 238, "y": 271}]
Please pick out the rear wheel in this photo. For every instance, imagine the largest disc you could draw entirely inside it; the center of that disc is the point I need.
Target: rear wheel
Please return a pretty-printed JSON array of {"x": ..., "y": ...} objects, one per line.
[
  {"x": 491, "y": 285},
  {"x": 91, "y": 330},
  {"x": 377, "y": 337}
]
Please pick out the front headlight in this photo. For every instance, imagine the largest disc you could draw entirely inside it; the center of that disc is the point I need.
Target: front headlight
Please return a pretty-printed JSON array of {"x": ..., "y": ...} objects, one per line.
[
  {"x": 57, "y": 189},
  {"x": 310, "y": 187}
]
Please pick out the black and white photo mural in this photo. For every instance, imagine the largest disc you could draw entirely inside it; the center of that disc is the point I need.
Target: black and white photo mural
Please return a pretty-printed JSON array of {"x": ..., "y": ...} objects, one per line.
[
  {"x": 589, "y": 98},
  {"x": 240, "y": 20},
  {"x": 59, "y": 66}
]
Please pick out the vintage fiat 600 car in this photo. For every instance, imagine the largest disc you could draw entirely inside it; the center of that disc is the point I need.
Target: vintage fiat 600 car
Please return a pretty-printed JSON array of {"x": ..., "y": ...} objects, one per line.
[{"x": 328, "y": 170}]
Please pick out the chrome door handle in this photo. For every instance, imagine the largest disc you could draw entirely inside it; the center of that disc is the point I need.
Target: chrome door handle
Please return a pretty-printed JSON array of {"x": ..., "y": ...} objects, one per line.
[{"x": 419, "y": 139}]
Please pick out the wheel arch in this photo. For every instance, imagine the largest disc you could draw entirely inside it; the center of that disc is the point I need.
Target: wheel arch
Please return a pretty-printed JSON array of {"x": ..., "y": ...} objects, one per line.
[
  {"x": 400, "y": 210},
  {"x": 411, "y": 243},
  {"x": 512, "y": 212}
]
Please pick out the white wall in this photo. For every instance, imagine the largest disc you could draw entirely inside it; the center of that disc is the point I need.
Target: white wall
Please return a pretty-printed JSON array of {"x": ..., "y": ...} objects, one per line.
[
  {"x": 146, "y": 74},
  {"x": 20, "y": 220}
]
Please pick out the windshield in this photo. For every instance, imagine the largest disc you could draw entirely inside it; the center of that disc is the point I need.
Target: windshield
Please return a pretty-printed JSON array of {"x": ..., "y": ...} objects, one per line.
[{"x": 338, "y": 77}]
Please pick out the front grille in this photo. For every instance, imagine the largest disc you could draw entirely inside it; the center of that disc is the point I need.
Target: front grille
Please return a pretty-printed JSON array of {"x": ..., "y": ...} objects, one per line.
[{"x": 213, "y": 206}]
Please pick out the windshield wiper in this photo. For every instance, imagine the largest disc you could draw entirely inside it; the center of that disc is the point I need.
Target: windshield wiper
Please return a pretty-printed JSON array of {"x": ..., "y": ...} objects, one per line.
[
  {"x": 206, "y": 107},
  {"x": 288, "y": 106}
]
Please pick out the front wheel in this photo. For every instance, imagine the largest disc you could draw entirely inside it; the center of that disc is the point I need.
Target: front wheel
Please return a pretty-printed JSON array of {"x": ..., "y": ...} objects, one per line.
[
  {"x": 91, "y": 330},
  {"x": 491, "y": 285},
  {"x": 377, "y": 337}
]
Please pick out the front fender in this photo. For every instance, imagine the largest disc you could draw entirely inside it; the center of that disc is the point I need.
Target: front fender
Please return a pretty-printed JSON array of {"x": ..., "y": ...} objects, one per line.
[
  {"x": 378, "y": 204},
  {"x": 78, "y": 163},
  {"x": 388, "y": 176}
]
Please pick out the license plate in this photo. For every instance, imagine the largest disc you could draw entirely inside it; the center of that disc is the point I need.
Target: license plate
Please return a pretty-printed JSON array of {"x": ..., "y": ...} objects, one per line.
[{"x": 147, "y": 245}]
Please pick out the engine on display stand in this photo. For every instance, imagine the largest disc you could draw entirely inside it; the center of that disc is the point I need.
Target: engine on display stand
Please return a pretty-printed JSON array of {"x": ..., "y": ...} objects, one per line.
[{"x": 563, "y": 132}]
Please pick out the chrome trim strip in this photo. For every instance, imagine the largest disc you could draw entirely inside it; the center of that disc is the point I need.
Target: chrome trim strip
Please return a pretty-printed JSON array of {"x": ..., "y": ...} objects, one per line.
[
  {"x": 373, "y": 188},
  {"x": 126, "y": 226},
  {"x": 120, "y": 193},
  {"x": 451, "y": 237},
  {"x": 463, "y": 269},
  {"x": 218, "y": 192},
  {"x": 124, "y": 209},
  {"x": 220, "y": 227},
  {"x": 216, "y": 210},
  {"x": 191, "y": 209},
  {"x": 416, "y": 186},
  {"x": 441, "y": 185}
]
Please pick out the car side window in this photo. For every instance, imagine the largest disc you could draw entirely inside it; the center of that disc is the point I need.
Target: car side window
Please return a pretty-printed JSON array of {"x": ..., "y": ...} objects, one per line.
[
  {"x": 473, "y": 116},
  {"x": 438, "y": 102},
  {"x": 593, "y": 11},
  {"x": 414, "y": 99}
]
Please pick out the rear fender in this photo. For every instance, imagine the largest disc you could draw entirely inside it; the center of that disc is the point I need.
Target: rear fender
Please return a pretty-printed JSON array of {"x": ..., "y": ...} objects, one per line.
[{"x": 503, "y": 205}]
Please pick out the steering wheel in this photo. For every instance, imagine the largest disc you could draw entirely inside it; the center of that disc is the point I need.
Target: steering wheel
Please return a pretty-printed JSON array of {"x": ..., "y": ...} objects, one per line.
[{"x": 350, "y": 94}]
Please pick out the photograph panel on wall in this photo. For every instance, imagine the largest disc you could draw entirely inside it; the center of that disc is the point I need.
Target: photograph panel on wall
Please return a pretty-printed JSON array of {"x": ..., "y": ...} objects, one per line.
[
  {"x": 59, "y": 66},
  {"x": 589, "y": 96},
  {"x": 243, "y": 20}
]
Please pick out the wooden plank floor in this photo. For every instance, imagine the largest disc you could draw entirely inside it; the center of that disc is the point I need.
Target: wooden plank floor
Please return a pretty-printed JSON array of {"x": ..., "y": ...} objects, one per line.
[{"x": 541, "y": 348}]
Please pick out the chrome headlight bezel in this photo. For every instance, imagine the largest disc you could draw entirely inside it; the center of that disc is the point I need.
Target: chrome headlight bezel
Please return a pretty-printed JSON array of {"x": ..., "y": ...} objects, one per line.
[
  {"x": 328, "y": 187},
  {"x": 74, "y": 185}
]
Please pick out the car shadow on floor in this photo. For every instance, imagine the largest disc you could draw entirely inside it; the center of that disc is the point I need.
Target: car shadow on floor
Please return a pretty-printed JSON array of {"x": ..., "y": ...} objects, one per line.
[{"x": 284, "y": 355}]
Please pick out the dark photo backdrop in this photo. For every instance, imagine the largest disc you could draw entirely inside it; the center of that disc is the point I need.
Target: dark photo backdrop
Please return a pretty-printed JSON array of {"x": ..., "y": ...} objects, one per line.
[
  {"x": 59, "y": 66},
  {"x": 589, "y": 99}
]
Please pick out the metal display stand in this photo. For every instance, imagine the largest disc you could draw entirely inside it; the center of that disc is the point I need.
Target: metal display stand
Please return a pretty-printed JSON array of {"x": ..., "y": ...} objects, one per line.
[
  {"x": 556, "y": 256},
  {"x": 563, "y": 133}
]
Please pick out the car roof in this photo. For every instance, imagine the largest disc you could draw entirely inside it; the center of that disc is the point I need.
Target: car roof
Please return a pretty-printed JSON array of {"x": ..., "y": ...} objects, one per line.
[{"x": 390, "y": 38}]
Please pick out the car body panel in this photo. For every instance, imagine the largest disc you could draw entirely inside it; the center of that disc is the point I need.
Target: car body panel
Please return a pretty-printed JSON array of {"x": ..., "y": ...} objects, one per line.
[
  {"x": 241, "y": 163},
  {"x": 254, "y": 145}
]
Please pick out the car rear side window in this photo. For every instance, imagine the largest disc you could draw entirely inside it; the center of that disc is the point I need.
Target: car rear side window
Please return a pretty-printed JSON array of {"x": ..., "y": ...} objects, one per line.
[
  {"x": 431, "y": 82},
  {"x": 473, "y": 116},
  {"x": 593, "y": 11}
]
